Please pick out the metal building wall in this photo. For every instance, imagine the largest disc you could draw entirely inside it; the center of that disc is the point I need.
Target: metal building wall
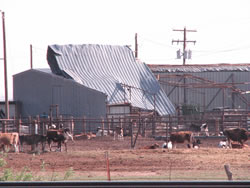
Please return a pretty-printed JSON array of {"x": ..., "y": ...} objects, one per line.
[
  {"x": 200, "y": 96},
  {"x": 38, "y": 90}
]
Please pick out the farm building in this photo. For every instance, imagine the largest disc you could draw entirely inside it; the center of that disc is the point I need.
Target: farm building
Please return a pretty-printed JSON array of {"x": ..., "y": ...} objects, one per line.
[
  {"x": 129, "y": 85},
  {"x": 95, "y": 84},
  {"x": 40, "y": 91},
  {"x": 207, "y": 87}
]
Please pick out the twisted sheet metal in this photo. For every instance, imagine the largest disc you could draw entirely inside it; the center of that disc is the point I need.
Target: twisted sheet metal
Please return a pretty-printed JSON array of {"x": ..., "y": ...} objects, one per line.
[{"x": 112, "y": 70}]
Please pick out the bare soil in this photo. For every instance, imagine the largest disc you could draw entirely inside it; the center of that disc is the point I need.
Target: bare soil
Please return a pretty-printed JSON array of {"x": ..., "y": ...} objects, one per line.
[{"x": 86, "y": 160}]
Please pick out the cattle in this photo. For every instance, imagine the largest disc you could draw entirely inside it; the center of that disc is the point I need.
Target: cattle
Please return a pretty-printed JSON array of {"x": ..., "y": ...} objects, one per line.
[
  {"x": 200, "y": 129},
  {"x": 60, "y": 136},
  {"x": 9, "y": 139},
  {"x": 240, "y": 135},
  {"x": 101, "y": 132},
  {"x": 181, "y": 137},
  {"x": 33, "y": 140},
  {"x": 196, "y": 144},
  {"x": 118, "y": 133},
  {"x": 167, "y": 145},
  {"x": 84, "y": 136},
  {"x": 154, "y": 146}
]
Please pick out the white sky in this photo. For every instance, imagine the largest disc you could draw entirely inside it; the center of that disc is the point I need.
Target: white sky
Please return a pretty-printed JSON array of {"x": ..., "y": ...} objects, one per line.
[{"x": 223, "y": 29}]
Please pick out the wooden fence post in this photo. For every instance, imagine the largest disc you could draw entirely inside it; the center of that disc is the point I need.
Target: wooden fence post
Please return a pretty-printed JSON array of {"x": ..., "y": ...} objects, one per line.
[
  {"x": 228, "y": 172},
  {"x": 72, "y": 126},
  {"x": 217, "y": 130},
  {"x": 102, "y": 127},
  {"x": 4, "y": 127},
  {"x": 19, "y": 124},
  {"x": 38, "y": 128},
  {"x": 83, "y": 125},
  {"x": 30, "y": 125},
  {"x": 131, "y": 132},
  {"x": 143, "y": 127},
  {"x": 108, "y": 125}
]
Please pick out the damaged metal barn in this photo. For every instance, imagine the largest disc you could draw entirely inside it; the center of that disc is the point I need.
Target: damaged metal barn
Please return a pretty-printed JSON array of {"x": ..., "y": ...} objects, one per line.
[{"x": 90, "y": 87}]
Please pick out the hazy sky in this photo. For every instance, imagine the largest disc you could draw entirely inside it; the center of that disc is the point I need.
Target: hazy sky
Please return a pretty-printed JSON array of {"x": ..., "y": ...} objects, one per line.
[{"x": 222, "y": 36}]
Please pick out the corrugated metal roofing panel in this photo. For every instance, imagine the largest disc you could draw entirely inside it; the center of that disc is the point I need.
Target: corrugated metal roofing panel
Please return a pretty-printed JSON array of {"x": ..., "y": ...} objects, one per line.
[
  {"x": 200, "y": 68},
  {"x": 106, "y": 68}
]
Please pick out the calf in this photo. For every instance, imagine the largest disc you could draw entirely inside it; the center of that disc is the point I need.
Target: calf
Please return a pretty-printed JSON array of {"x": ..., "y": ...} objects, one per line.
[
  {"x": 9, "y": 139},
  {"x": 33, "y": 140},
  {"x": 167, "y": 145},
  {"x": 240, "y": 135},
  {"x": 59, "y": 136},
  {"x": 181, "y": 137}
]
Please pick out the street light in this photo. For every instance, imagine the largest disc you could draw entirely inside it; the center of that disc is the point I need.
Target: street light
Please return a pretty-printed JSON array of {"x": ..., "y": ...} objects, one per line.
[{"x": 5, "y": 69}]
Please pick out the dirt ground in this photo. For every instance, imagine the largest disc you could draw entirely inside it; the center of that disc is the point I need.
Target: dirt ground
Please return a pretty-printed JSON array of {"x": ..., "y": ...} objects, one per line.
[{"x": 86, "y": 160}]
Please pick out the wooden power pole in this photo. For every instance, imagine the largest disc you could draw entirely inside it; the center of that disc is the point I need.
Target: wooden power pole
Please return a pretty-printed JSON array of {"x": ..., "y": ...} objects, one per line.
[
  {"x": 5, "y": 69},
  {"x": 136, "y": 47},
  {"x": 184, "y": 41}
]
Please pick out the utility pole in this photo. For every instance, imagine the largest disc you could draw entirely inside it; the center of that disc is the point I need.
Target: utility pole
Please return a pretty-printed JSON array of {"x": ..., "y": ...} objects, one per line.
[
  {"x": 184, "y": 54},
  {"x": 31, "y": 57},
  {"x": 5, "y": 69},
  {"x": 136, "y": 47},
  {"x": 184, "y": 41}
]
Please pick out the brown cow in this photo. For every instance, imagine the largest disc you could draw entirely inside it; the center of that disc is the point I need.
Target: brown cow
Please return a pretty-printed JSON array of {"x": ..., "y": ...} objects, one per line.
[
  {"x": 9, "y": 139},
  {"x": 240, "y": 135},
  {"x": 181, "y": 137}
]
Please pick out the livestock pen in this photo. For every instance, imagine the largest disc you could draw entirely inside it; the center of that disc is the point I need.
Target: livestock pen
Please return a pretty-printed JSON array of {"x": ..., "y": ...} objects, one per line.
[{"x": 134, "y": 125}]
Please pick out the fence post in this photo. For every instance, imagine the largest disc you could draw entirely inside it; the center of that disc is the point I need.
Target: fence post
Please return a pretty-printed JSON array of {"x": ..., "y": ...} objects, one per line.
[
  {"x": 153, "y": 126},
  {"x": 108, "y": 125},
  {"x": 19, "y": 123},
  {"x": 131, "y": 132},
  {"x": 228, "y": 172},
  {"x": 4, "y": 127},
  {"x": 167, "y": 127},
  {"x": 217, "y": 130},
  {"x": 30, "y": 124},
  {"x": 72, "y": 126},
  {"x": 107, "y": 164},
  {"x": 112, "y": 123},
  {"x": 143, "y": 127},
  {"x": 38, "y": 128},
  {"x": 102, "y": 127},
  {"x": 83, "y": 125}
]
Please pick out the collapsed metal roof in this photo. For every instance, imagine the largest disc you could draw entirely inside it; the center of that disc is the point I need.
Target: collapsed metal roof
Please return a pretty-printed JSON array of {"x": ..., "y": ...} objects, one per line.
[
  {"x": 200, "y": 68},
  {"x": 112, "y": 70}
]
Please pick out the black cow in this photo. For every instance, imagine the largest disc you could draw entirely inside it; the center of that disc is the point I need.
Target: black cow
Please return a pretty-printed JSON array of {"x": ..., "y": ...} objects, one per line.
[
  {"x": 240, "y": 135},
  {"x": 60, "y": 136},
  {"x": 32, "y": 140}
]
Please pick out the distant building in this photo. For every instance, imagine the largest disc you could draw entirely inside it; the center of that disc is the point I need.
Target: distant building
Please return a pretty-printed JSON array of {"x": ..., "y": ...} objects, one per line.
[{"x": 207, "y": 87}]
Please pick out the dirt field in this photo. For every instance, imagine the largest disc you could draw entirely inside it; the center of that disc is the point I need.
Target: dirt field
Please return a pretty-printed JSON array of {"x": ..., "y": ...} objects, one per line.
[{"x": 85, "y": 160}]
